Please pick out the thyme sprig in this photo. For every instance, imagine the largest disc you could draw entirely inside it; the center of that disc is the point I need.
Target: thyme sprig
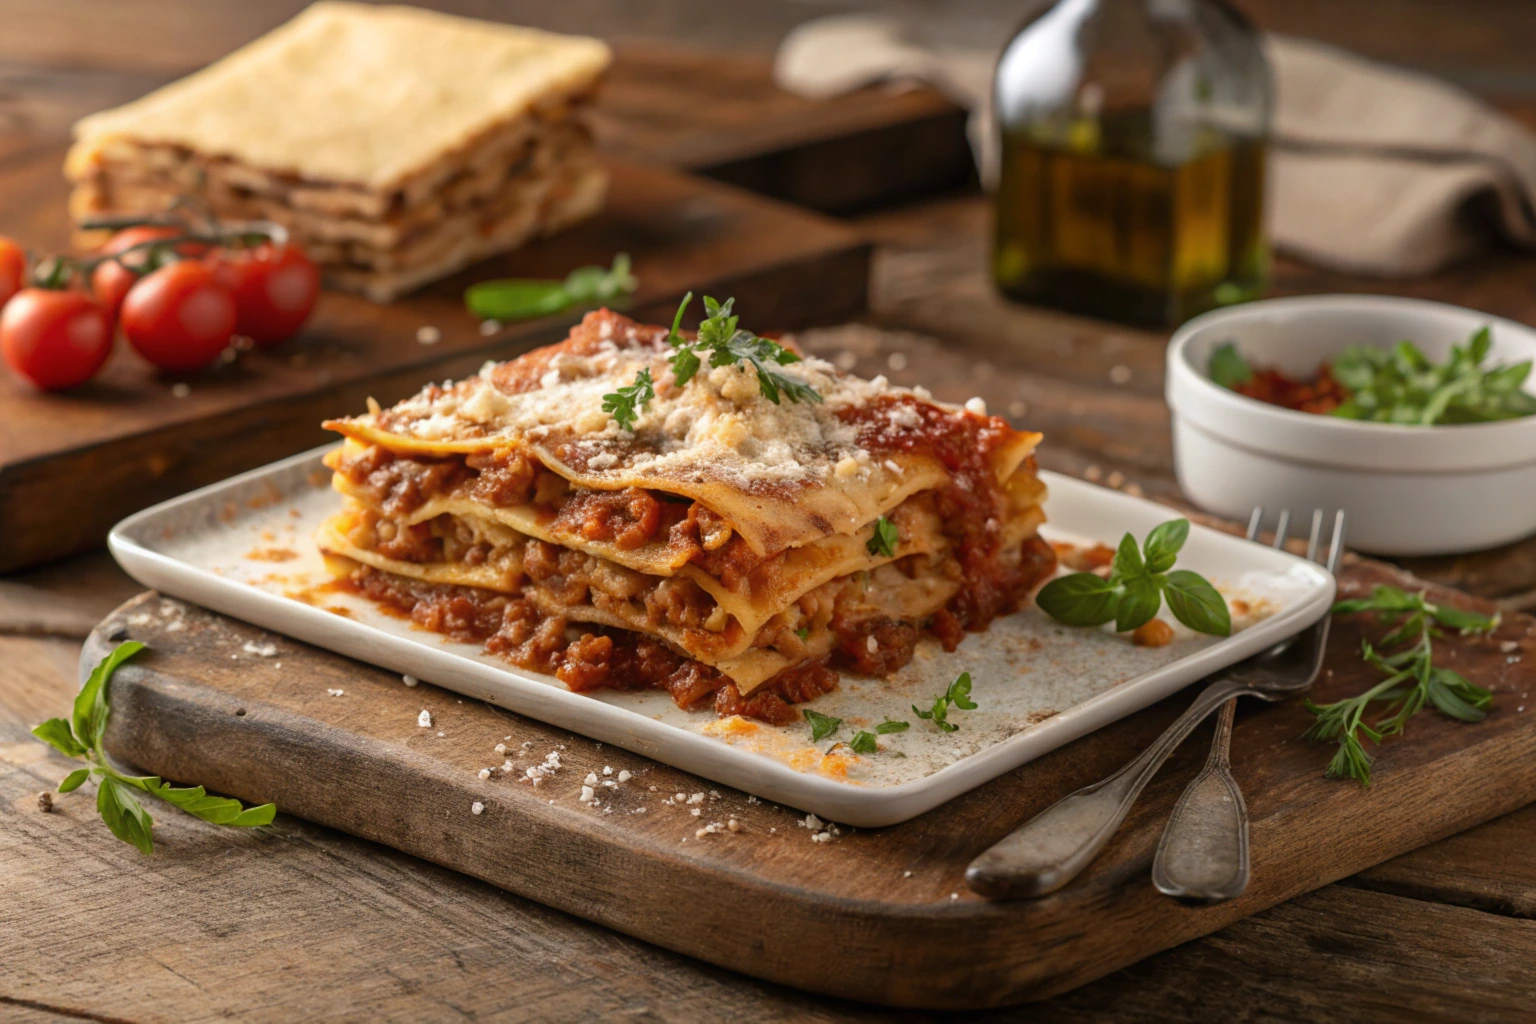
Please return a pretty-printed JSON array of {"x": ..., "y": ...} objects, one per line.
[{"x": 1411, "y": 678}]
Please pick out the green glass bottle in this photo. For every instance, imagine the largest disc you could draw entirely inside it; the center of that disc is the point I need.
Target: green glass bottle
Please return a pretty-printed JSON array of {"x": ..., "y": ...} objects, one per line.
[{"x": 1131, "y": 173}]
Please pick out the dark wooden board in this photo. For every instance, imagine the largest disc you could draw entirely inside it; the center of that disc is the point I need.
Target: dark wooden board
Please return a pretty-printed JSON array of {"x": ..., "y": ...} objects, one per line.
[
  {"x": 842, "y": 917},
  {"x": 71, "y": 465}
]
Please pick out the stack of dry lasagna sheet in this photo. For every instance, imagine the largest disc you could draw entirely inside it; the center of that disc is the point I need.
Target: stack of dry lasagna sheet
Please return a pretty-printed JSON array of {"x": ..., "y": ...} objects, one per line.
[{"x": 397, "y": 145}]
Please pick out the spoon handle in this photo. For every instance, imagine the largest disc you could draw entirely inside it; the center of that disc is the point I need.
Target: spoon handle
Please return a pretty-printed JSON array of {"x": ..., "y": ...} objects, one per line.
[
  {"x": 1053, "y": 847},
  {"x": 1203, "y": 855}
]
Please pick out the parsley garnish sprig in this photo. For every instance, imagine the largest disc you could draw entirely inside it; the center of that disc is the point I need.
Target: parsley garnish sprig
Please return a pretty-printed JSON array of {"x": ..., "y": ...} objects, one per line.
[
  {"x": 1412, "y": 678},
  {"x": 724, "y": 344},
  {"x": 958, "y": 695},
  {"x": 884, "y": 540},
  {"x": 1138, "y": 584},
  {"x": 80, "y": 737}
]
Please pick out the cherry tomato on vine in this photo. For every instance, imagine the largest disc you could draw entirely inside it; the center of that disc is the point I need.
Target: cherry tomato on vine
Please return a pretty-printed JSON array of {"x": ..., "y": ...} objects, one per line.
[
  {"x": 274, "y": 287},
  {"x": 111, "y": 280},
  {"x": 179, "y": 317},
  {"x": 55, "y": 339},
  {"x": 13, "y": 269}
]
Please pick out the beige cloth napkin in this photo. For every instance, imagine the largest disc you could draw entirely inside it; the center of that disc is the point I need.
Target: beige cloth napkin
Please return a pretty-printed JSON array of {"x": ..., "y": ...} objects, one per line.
[{"x": 1373, "y": 170}]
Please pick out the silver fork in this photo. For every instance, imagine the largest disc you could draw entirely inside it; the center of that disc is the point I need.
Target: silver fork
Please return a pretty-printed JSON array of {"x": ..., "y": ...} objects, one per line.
[
  {"x": 1053, "y": 847},
  {"x": 1203, "y": 855}
]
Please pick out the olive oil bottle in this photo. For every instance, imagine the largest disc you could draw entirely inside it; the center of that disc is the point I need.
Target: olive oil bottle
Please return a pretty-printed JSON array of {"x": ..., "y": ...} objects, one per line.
[{"x": 1131, "y": 176}]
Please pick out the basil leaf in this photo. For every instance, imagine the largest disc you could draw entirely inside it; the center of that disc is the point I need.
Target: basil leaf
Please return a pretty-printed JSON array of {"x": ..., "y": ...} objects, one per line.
[
  {"x": 1228, "y": 368},
  {"x": 56, "y": 733},
  {"x": 1127, "y": 561},
  {"x": 884, "y": 539},
  {"x": 889, "y": 726},
  {"x": 219, "y": 810},
  {"x": 1081, "y": 599},
  {"x": 90, "y": 712},
  {"x": 124, "y": 815},
  {"x": 516, "y": 299},
  {"x": 1163, "y": 544},
  {"x": 74, "y": 780},
  {"x": 1143, "y": 597},
  {"x": 863, "y": 743},
  {"x": 1197, "y": 604},
  {"x": 822, "y": 725}
]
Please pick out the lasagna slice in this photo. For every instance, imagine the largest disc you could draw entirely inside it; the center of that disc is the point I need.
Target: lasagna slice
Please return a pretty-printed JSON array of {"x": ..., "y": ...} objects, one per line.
[
  {"x": 395, "y": 144},
  {"x": 727, "y": 548}
]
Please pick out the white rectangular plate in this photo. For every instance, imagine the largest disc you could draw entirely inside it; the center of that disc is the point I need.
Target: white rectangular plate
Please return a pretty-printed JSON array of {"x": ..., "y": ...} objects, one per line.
[{"x": 243, "y": 547}]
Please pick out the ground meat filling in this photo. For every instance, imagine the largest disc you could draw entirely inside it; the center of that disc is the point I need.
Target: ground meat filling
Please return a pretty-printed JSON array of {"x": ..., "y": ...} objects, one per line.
[{"x": 617, "y": 659}]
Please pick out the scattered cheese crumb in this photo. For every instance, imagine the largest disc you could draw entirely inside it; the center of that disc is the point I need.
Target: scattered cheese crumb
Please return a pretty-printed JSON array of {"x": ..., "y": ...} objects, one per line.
[
  {"x": 733, "y": 825},
  {"x": 607, "y": 770},
  {"x": 697, "y": 798},
  {"x": 409, "y": 680},
  {"x": 695, "y": 812},
  {"x": 500, "y": 748},
  {"x": 906, "y": 874},
  {"x": 588, "y": 794},
  {"x": 334, "y": 693},
  {"x": 976, "y": 405},
  {"x": 624, "y": 776},
  {"x": 477, "y": 808},
  {"x": 260, "y": 650},
  {"x": 821, "y": 837},
  {"x": 424, "y": 719},
  {"x": 484, "y": 773},
  {"x": 428, "y": 335},
  {"x": 871, "y": 644},
  {"x": 681, "y": 798},
  {"x": 591, "y": 779}
]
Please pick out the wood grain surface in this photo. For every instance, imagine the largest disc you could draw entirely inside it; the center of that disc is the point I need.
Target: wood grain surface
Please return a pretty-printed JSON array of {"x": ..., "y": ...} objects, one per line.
[
  {"x": 877, "y": 915},
  {"x": 73, "y": 464}
]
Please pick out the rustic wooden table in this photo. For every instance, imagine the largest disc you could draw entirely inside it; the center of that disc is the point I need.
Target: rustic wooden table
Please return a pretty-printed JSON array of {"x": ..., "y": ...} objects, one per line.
[{"x": 306, "y": 923}]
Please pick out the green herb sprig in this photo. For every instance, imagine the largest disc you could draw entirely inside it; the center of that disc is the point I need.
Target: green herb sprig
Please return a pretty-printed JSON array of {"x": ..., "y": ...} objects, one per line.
[
  {"x": 958, "y": 695},
  {"x": 621, "y": 404},
  {"x": 1139, "y": 582},
  {"x": 80, "y": 737},
  {"x": 1412, "y": 679},
  {"x": 1401, "y": 385},
  {"x": 884, "y": 540},
  {"x": 863, "y": 741},
  {"x": 525, "y": 298},
  {"x": 724, "y": 344}
]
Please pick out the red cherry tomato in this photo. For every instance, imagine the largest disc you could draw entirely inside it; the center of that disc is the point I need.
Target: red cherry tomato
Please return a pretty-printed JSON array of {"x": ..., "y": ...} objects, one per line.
[
  {"x": 55, "y": 339},
  {"x": 13, "y": 269},
  {"x": 179, "y": 317},
  {"x": 274, "y": 288},
  {"x": 111, "y": 280}
]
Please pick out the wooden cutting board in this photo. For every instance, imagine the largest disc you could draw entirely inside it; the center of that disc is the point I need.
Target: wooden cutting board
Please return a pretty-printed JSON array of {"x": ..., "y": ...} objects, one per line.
[
  {"x": 876, "y": 915},
  {"x": 71, "y": 465}
]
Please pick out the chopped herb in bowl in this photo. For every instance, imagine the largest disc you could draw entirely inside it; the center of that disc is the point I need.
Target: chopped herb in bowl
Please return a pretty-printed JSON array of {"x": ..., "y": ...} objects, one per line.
[{"x": 1397, "y": 385}]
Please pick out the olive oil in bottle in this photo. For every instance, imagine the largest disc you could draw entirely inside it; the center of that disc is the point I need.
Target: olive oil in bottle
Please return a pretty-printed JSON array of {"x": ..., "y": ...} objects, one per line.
[{"x": 1131, "y": 177}]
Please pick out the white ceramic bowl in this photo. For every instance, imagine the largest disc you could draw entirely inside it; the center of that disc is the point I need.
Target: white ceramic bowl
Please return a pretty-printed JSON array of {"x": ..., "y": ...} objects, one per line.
[{"x": 1407, "y": 490}]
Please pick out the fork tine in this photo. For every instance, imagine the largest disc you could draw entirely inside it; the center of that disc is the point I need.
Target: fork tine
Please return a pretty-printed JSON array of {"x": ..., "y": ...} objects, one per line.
[
  {"x": 1282, "y": 529},
  {"x": 1316, "y": 535},
  {"x": 1255, "y": 521},
  {"x": 1336, "y": 546}
]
